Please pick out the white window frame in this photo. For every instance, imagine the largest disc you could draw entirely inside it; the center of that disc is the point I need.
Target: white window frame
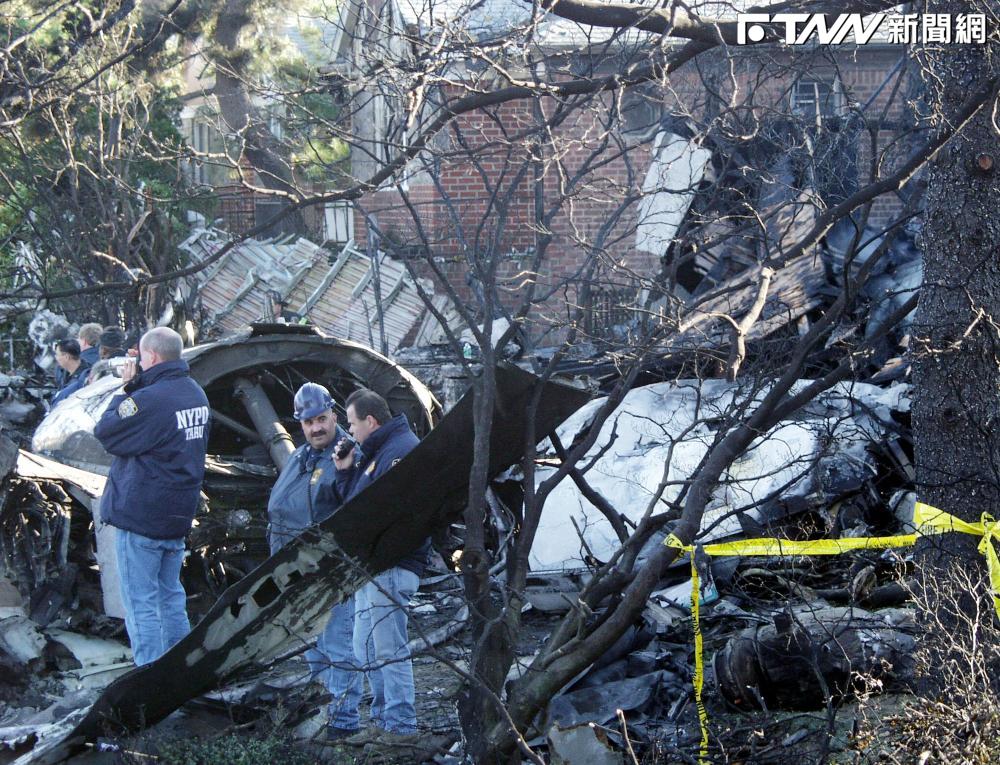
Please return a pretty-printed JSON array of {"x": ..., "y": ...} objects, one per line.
[
  {"x": 338, "y": 222},
  {"x": 817, "y": 106}
]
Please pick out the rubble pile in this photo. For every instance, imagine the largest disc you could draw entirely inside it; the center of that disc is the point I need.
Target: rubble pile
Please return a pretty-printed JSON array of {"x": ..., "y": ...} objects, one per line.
[
  {"x": 277, "y": 607},
  {"x": 60, "y": 627},
  {"x": 780, "y": 632},
  {"x": 786, "y": 632},
  {"x": 840, "y": 468},
  {"x": 57, "y": 648}
]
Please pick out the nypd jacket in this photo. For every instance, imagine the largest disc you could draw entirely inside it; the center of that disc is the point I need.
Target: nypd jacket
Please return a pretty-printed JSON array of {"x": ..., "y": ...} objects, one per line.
[
  {"x": 305, "y": 493},
  {"x": 158, "y": 433},
  {"x": 381, "y": 450}
]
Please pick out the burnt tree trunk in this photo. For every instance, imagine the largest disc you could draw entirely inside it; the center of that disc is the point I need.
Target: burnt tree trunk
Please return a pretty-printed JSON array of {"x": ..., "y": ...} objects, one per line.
[
  {"x": 492, "y": 641},
  {"x": 956, "y": 395}
]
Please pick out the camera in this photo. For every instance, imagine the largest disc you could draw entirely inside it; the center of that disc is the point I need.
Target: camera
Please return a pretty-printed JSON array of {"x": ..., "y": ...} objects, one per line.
[
  {"x": 117, "y": 363},
  {"x": 343, "y": 448}
]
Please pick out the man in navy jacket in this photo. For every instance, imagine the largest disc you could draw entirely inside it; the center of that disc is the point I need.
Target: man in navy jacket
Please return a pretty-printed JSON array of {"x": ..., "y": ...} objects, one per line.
[
  {"x": 380, "y": 606},
  {"x": 306, "y": 494},
  {"x": 75, "y": 369},
  {"x": 89, "y": 338},
  {"x": 157, "y": 430}
]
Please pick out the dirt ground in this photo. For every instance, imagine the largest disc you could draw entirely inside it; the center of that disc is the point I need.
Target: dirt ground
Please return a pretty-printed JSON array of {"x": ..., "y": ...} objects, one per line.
[{"x": 282, "y": 703}]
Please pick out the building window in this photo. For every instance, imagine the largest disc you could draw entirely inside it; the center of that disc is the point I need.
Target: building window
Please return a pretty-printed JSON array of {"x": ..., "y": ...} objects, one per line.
[
  {"x": 641, "y": 115},
  {"x": 338, "y": 218},
  {"x": 210, "y": 166},
  {"x": 610, "y": 313},
  {"x": 816, "y": 100},
  {"x": 266, "y": 208}
]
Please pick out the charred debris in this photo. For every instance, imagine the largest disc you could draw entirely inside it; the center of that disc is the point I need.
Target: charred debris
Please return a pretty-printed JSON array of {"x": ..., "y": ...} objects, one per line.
[{"x": 842, "y": 467}]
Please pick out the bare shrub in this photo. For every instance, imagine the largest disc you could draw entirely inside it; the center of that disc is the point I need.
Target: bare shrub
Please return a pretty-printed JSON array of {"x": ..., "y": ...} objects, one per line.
[{"x": 955, "y": 716}]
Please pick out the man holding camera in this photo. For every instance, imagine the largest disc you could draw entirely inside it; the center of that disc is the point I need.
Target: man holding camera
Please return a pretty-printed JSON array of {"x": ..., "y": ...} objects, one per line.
[
  {"x": 157, "y": 431},
  {"x": 306, "y": 494}
]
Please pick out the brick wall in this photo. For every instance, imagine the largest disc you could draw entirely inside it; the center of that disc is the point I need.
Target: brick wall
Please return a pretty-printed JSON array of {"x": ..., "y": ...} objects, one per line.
[{"x": 486, "y": 204}]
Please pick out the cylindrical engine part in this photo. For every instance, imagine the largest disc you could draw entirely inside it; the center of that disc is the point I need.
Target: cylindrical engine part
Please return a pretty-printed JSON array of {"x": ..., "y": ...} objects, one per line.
[{"x": 279, "y": 444}]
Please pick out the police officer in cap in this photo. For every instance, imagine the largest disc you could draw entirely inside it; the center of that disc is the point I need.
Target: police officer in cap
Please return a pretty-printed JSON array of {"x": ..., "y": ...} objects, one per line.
[{"x": 306, "y": 494}]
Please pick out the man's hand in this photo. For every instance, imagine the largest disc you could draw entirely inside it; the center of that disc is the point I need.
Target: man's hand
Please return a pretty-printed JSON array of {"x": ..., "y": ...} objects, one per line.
[
  {"x": 129, "y": 370},
  {"x": 342, "y": 463}
]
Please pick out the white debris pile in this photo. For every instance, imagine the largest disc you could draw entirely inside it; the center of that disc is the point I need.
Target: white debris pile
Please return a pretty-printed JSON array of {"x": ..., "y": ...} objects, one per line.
[
  {"x": 68, "y": 436},
  {"x": 44, "y": 330},
  {"x": 653, "y": 443}
]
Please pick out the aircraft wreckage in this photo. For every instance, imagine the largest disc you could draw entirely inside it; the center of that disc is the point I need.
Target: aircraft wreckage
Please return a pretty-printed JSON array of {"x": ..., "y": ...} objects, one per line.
[
  {"x": 279, "y": 604},
  {"x": 250, "y": 380}
]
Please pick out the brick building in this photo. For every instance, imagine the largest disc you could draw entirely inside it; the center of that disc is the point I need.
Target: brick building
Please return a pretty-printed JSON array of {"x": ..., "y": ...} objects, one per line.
[
  {"x": 582, "y": 197},
  {"x": 598, "y": 191}
]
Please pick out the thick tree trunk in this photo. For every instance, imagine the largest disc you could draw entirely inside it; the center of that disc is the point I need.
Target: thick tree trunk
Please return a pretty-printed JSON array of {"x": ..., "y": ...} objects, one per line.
[
  {"x": 260, "y": 147},
  {"x": 956, "y": 397},
  {"x": 492, "y": 645}
]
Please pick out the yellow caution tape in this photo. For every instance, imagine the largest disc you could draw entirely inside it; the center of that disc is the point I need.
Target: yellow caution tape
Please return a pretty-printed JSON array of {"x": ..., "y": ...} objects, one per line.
[
  {"x": 928, "y": 521},
  {"x": 699, "y": 665}
]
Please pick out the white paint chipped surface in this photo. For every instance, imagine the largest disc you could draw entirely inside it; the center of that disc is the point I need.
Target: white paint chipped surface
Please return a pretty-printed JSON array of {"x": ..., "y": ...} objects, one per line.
[{"x": 798, "y": 458}]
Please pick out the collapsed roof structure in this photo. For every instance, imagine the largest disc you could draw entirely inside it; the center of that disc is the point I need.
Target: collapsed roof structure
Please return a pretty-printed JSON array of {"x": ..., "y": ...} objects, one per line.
[{"x": 347, "y": 293}]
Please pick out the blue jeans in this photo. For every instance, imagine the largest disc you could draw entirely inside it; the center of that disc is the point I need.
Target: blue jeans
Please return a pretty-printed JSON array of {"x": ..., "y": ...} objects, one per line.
[
  {"x": 380, "y": 644},
  {"x": 155, "y": 604},
  {"x": 333, "y": 661}
]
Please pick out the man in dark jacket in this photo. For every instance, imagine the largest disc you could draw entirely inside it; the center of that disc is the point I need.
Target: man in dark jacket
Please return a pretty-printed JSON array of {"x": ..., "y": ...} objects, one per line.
[
  {"x": 75, "y": 370},
  {"x": 306, "y": 491},
  {"x": 306, "y": 494},
  {"x": 89, "y": 338},
  {"x": 157, "y": 431},
  {"x": 380, "y": 606},
  {"x": 112, "y": 343}
]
